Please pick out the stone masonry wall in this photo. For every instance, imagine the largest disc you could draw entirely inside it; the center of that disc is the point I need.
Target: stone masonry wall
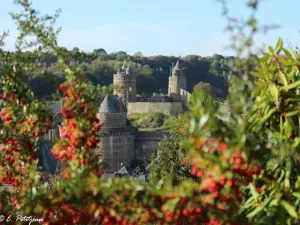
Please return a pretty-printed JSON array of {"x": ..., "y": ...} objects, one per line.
[
  {"x": 147, "y": 143},
  {"x": 168, "y": 108},
  {"x": 116, "y": 151},
  {"x": 125, "y": 87}
]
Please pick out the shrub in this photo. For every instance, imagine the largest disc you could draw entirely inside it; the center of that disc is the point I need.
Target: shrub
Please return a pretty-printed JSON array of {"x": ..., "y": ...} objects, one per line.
[{"x": 247, "y": 171}]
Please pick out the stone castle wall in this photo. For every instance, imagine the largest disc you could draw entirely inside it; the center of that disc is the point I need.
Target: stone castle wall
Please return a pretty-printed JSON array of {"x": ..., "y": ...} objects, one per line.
[
  {"x": 182, "y": 97},
  {"x": 113, "y": 120},
  {"x": 116, "y": 150},
  {"x": 174, "y": 85},
  {"x": 168, "y": 108},
  {"x": 147, "y": 143}
]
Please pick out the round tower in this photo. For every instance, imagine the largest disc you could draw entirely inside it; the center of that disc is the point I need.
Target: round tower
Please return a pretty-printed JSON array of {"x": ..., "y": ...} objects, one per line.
[
  {"x": 112, "y": 112},
  {"x": 116, "y": 146},
  {"x": 177, "y": 80},
  {"x": 125, "y": 85}
]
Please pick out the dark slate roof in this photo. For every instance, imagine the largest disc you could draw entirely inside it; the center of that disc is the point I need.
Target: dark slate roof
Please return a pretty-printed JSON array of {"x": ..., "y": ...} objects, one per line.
[
  {"x": 177, "y": 66},
  {"x": 46, "y": 160},
  {"x": 112, "y": 104},
  {"x": 124, "y": 67}
]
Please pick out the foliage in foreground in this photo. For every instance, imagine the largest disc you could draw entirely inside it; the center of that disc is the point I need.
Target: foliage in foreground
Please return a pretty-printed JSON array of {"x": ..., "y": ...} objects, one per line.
[{"x": 248, "y": 171}]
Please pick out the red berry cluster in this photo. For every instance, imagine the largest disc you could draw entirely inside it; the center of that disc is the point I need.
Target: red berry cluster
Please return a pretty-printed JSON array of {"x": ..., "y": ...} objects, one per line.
[
  {"x": 222, "y": 171},
  {"x": 80, "y": 128},
  {"x": 21, "y": 121}
]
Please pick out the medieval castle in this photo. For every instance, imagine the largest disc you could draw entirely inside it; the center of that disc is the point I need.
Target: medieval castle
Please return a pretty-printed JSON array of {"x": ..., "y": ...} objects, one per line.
[{"x": 121, "y": 143}]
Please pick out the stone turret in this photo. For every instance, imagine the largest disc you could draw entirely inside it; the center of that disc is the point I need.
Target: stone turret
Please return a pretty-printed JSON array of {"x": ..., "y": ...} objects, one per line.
[
  {"x": 112, "y": 112},
  {"x": 117, "y": 137},
  {"x": 177, "y": 81},
  {"x": 125, "y": 85}
]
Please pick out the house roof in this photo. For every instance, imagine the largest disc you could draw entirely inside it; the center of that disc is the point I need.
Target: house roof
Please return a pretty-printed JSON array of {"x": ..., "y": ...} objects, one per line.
[{"x": 112, "y": 104}]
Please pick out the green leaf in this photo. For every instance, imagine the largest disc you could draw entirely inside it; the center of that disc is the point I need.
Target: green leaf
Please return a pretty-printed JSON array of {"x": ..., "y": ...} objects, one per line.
[
  {"x": 279, "y": 45},
  {"x": 289, "y": 208},
  {"x": 271, "y": 50},
  {"x": 269, "y": 114},
  {"x": 293, "y": 99},
  {"x": 284, "y": 61},
  {"x": 293, "y": 113},
  {"x": 265, "y": 58},
  {"x": 296, "y": 194},
  {"x": 250, "y": 201},
  {"x": 258, "y": 209},
  {"x": 259, "y": 88},
  {"x": 274, "y": 92},
  {"x": 293, "y": 85},
  {"x": 288, "y": 127},
  {"x": 287, "y": 53},
  {"x": 258, "y": 74}
]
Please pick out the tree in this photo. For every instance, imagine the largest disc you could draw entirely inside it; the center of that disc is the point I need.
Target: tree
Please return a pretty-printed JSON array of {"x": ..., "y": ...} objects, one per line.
[
  {"x": 99, "y": 50},
  {"x": 247, "y": 171},
  {"x": 121, "y": 56},
  {"x": 167, "y": 166},
  {"x": 100, "y": 54},
  {"x": 138, "y": 54},
  {"x": 207, "y": 88}
]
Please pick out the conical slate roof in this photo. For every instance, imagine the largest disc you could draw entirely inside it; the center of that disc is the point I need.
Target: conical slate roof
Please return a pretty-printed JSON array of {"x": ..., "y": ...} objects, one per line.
[
  {"x": 112, "y": 104},
  {"x": 177, "y": 66},
  {"x": 124, "y": 67}
]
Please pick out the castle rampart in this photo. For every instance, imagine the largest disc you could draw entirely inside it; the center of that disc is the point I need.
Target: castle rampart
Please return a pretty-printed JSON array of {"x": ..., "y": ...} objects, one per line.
[
  {"x": 168, "y": 108},
  {"x": 147, "y": 143}
]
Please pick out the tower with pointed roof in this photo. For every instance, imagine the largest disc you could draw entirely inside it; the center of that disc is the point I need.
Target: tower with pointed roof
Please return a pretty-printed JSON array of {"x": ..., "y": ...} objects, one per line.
[
  {"x": 125, "y": 85},
  {"x": 117, "y": 134},
  {"x": 177, "y": 81}
]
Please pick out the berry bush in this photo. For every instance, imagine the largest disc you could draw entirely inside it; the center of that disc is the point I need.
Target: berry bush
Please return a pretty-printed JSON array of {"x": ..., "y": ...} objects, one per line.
[{"x": 247, "y": 170}]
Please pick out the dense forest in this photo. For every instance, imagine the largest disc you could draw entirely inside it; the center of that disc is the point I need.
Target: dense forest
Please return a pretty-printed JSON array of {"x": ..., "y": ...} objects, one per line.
[{"x": 152, "y": 72}]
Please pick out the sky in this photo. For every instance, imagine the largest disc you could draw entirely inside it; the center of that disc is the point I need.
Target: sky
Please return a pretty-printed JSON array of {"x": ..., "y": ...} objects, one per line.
[{"x": 153, "y": 27}]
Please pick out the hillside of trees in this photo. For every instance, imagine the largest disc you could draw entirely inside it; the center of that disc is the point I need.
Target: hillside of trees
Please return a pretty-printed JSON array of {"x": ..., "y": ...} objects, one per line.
[{"x": 152, "y": 72}]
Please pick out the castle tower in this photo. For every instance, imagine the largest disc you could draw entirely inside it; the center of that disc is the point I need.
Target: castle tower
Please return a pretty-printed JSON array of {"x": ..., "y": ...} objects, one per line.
[
  {"x": 117, "y": 138},
  {"x": 177, "y": 80},
  {"x": 125, "y": 85}
]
